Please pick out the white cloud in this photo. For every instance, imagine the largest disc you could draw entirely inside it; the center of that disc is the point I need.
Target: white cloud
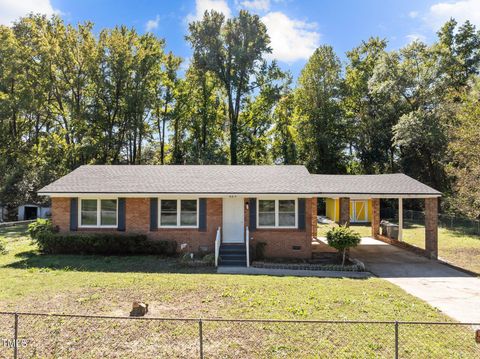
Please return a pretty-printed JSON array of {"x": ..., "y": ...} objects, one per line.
[
  {"x": 416, "y": 37},
  {"x": 461, "y": 11},
  {"x": 11, "y": 10},
  {"x": 203, "y": 5},
  {"x": 413, "y": 14},
  {"x": 152, "y": 24},
  {"x": 261, "y": 5},
  {"x": 291, "y": 39}
]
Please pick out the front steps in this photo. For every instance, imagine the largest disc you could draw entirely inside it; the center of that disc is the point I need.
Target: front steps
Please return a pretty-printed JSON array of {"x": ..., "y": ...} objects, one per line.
[{"x": 233, "y": 255}]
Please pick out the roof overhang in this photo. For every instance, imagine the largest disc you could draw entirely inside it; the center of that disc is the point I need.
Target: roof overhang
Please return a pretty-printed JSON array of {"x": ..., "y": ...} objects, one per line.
[{"x": 245, "y": 194}]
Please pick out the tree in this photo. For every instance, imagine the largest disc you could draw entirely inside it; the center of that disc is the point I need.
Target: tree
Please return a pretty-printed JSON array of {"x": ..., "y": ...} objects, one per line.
[
  {"x": 370, "y": 117},
  {"x": 464, "y": 149},
  {"x": 412, "y": 81},
  {"x": 234, "y": 51},
  {"x": 284, "y": 147},
  {"x": 320, "y": 120},
  {"x": 458, "y": 51},
  {"x": 203, "y": 118},
  {"x": 342, "y": 238},
  {"x": 165, "y": 102}
]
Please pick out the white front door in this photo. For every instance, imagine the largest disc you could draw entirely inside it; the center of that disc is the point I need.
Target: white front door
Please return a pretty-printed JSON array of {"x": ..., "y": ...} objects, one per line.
[{"x": 233, "y": 220}]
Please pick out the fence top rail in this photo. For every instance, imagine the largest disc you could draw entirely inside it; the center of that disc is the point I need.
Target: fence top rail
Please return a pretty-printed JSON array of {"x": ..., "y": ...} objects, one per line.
[{"x": 313, "y": 321}]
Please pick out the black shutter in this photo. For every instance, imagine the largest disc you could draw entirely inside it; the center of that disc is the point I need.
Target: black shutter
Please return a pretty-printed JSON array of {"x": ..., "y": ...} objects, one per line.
[
  {"x": 153, "y": 214},
  {"x": 121, "y": 214},
  {"x": 73, "y": 214},
  {"x": 252, "y": 206},
  {"x": 202, "y": 214},
  {"x": 301, "y": 213}
]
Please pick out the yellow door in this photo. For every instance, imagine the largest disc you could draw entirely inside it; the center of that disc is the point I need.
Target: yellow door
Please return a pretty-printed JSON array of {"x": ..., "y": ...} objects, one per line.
[
  {"x": 361, "y": 210},
  {"x": 358, "y": 211}
]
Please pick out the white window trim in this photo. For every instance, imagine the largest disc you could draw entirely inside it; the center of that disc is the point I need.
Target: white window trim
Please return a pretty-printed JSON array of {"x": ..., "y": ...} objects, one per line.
[
  {"x": 178, "y": 212},
  {"x": 99, "y": 213},
  {"x": 277, "y": 226}
]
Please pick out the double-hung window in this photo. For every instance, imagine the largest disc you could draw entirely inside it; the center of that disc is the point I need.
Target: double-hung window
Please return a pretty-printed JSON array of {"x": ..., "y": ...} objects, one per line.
[
  {"x": 178, "y": 213},
  {"x": 98, "y": 213},
  {"x": 281, "y": 213}
]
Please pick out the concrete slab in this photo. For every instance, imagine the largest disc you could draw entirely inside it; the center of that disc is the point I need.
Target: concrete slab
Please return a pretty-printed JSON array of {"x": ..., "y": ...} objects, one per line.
[
  {"x": 292, "y": 272},
  {"x": 455, "y": 293}
]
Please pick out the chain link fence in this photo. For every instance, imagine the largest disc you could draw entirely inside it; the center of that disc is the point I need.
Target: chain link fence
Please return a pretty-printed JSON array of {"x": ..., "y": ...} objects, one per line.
[
  {"x": 29, "y": 335},
  {"x": 456, "y": 223}
]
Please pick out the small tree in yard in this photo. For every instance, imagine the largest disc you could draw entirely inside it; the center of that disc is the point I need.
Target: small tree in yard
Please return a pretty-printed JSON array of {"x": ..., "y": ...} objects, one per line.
[{"x": 341, "y": 238}]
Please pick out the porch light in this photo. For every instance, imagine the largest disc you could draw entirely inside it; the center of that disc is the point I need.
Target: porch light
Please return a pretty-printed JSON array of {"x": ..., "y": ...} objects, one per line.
[{"x": 246, "y": 206}]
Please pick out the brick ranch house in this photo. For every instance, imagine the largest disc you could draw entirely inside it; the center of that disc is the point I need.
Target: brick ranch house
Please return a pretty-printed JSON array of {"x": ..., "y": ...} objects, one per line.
[{"x": 224, "y": 208}]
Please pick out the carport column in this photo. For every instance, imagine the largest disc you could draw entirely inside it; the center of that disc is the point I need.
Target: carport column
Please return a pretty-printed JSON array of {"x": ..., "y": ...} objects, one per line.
[
  {"x": 431, "y": 227},
  {"x": 375, "y": 217},
  {"x": 344, "y": 211},
  {"x": 400, "y": 219}
]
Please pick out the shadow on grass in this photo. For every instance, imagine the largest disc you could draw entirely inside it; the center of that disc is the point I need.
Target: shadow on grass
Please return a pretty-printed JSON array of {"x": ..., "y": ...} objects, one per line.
[
  {"x": 14, "y": 232},
  {"x": 113, "y": 264}
]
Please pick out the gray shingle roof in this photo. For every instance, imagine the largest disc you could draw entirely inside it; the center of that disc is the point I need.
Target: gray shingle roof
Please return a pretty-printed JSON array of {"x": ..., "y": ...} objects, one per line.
[
  {"x": 183, "y": 179},
  {"x": 385, "y": 184},
  {"x": 223, "y": 179}
]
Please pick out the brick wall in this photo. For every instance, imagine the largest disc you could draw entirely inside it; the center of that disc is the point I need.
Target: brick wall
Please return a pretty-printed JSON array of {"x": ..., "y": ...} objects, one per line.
[
  {"x": 344, "y": 211},
  {"x": 375, "y": 217},
  {"x": 137, "y": 220},
  {"x": 280, "y": 242},
  {"x": 431, "y": 227},
  {"x": 61, "y": 213}
]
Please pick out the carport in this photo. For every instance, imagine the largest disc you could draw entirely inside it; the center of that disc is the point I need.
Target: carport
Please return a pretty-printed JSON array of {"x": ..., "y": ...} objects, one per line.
[{"x": 386, "y": 186}]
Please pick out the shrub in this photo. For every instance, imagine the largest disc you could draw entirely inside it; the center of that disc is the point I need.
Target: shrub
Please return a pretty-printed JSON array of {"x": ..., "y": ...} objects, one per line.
[
  {"x": 103, "y": 244},
  {"x": 209, "y": 259},
  {"x": 3, "y": 246},
  {"x": 341, "y": 238},
  {"x": 260, "y": 251},
  {"x": 41, "y": 225}
]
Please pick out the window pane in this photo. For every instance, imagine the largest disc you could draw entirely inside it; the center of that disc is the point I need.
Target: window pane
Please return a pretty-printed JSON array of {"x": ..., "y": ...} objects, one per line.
[
  {"x": 286, "y": 213},
  {"x": 266, "y": 219},
  {"x": 266, "y": 206},
  {"x": 286, "y": 219},
  {"x": 266, "y": 213},
  {"x": 108, "y": 215},
  {"x": 286, "y": 206},
  {"x": 168, "y": 210},
  {"x": 89, "y": 212},
  {"x": 188, "y": 213}
]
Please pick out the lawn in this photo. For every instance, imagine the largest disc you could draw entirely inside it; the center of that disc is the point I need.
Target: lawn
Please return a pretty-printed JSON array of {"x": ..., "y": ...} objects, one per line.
[
  {"x": 31, "y": 282},
  {"x": 454, "y": 246}
]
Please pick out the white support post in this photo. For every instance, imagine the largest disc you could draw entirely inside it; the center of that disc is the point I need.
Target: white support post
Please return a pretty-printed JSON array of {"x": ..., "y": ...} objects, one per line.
[{"x": 400, "y": 219}]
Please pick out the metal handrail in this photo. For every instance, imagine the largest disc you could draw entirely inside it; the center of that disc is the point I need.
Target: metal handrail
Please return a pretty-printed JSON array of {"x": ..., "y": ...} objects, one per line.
[
  {"x": 218, "y": 241},
  {"x": 247, "y": 244}
]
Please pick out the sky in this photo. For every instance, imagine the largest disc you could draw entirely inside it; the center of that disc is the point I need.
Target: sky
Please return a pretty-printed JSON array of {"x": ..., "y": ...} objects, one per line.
[{"x": 296, "y": 27}]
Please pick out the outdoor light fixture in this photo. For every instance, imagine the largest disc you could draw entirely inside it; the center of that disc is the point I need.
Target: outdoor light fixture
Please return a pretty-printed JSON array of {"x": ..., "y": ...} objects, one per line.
[{"x": 246, "y": 206}]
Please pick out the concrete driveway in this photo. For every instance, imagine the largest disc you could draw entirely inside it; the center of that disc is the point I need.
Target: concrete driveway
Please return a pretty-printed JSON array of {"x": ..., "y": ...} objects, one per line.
[{"x": 453, "y": 292}]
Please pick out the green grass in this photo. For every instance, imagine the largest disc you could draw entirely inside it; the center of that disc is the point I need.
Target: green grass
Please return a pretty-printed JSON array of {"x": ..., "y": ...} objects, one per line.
[
  {"x": 107, "y": 285},
  {"x": 454, "y": 246}
]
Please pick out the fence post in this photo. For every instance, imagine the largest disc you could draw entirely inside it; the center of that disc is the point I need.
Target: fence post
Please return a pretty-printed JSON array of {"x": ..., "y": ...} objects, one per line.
[
  {"x": 396, "y": 339},
  {"x": 15, "y": 337},
  {"x": 200, "y": 335}
]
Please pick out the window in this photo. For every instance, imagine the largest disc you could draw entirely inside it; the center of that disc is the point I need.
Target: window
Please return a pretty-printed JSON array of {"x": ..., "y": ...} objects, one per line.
[
  {"x": 89, "y": 212},
  {"x": 178, "y": 213},
  {"x": 98, "y": 212},
  {"x": 286, "y": 213},
  {"x": 266, "y": 213},
  {"x": 188, "y": 213},
  {"x": 168, "y": 213},
  {"x": 277, "y": 213}
]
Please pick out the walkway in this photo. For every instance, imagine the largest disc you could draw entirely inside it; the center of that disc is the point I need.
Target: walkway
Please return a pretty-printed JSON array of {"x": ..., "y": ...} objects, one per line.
[
  {"x": 292, "y": 272},
  {"x": 453, "y": 292}
]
